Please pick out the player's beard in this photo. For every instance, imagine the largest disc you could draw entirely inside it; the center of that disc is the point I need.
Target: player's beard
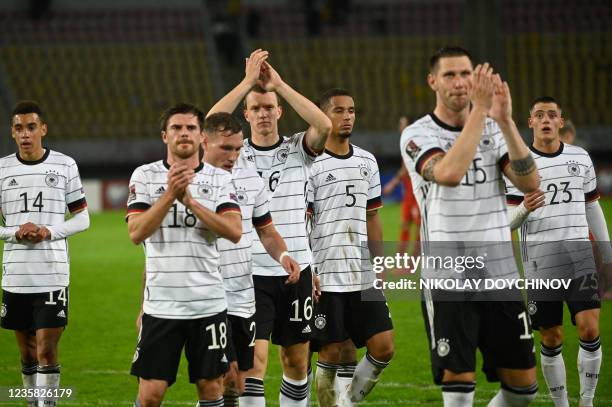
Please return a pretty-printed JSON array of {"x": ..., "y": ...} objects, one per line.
[
  {"x": 344, "y": 134},
  {"x": 184, "y": 153}
]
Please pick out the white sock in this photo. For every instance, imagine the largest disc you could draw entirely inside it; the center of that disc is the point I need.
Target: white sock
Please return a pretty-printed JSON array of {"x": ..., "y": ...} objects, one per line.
[
  {"x": 310, "y": 381},
  {"x": 589, "y": 363},
  {"x": 48, "y": 377},
  {"x": 210, "y": 403},
  {"x": 293, "y": 392},
  {"x": 509, "y": 396},
  {"x": 365, "y": 378},
  {"x": 28, "y": 376},
  {"x": 344, "y": 376},
  {"x": 458, "y": 394},
  {"x": 553, "y": 368},
  {"x": 326, "y": 389},
  {"x": 253, "y": 395}
]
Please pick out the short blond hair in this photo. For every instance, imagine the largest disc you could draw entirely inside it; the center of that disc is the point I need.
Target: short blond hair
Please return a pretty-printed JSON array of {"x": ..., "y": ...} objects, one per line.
[{"x": 568, "y": 127}]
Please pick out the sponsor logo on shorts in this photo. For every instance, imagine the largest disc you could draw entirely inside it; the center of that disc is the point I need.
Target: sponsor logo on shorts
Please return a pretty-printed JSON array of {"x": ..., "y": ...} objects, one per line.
[
  {"x": 136, "y": 354},
  {"x": 532, "y": 308},
  {"x": 61, "y": 314},
  {"x": 320, "y": 321},
  {"x": 224, "y": 359},
  {"x": 306, "y": 330},
  {"x": 3, "y": 311},
  {"x": 443, "y": 347}
]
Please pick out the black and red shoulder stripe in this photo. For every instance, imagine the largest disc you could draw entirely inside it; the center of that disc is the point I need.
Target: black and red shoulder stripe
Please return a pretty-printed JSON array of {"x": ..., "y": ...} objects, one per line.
[
  {"x": 77, "y": 205},
  {"x": 228, "y": 207},
  {"x": 592, "y": 196},
  {"x": 426, "y": 156},
  {"x": 374, "y": 203}
]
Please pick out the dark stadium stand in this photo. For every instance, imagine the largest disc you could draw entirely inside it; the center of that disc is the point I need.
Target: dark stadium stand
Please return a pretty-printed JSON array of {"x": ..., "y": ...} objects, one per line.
[{"x": 107, "y": 74}]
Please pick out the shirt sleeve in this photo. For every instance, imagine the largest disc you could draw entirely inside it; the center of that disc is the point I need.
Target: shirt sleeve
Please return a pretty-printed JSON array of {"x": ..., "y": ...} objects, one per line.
[
  {"x": 261, "y": 208},
  {"x": 417, "y": 147},
  {"x": 227, "y": 200},
  {"x": 513, "y": 195},
  {"x": 374, "y": 192},
  {"x": 298, "y": 143},
  {"x": 590, "y": 183},
  {"x": 501, "y": 147},
  {"x": 75, "y": 195},
  {"x": 139, "y": 199}
]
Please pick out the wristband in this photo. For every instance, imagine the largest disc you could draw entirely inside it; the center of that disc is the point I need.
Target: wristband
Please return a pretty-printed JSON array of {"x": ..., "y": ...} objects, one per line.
[{"x": 282, "y": 255}]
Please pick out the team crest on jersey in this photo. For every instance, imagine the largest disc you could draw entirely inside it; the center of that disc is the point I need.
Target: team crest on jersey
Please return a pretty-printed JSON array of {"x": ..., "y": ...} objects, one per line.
[
  {"x": 443, "y": 347},
  {"x": 52, "y": 179},
  {"x": 320, "y": 321},
  {"x": 3, "y": 311},
  {"x": 487, "y": 143},
  {"x": 282, "y": 154},
  {"x": 205, "y": 190},
  {"x": 241, "y": 195},
  {"x": 412, "y": 149},
  {"x": 365, "y": 172},
  {"x": 573, "y": 168},
  {"x": 532, "y": 308}
]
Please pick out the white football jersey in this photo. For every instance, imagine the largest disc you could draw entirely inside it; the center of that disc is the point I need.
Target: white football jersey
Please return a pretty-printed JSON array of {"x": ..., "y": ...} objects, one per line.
[
  {"x": 236, "y": 259},
  {"x": 343, "y": 189},
  {"x": 472, "y": 212},
  {"x": 284, "y": 168},
  {"x": 567, "y": 177},
  {"x": 39, "y": 192},
  {"x": 182, "y": 260}
]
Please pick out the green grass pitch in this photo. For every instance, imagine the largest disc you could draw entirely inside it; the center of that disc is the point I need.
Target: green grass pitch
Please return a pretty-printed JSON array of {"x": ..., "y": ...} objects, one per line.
[{"x": 96, "y": 350}]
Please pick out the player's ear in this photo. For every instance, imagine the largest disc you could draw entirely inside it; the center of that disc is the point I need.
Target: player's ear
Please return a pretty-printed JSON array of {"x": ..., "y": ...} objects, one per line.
[
  {"x": 562, "y": 122},
  {"x": 431, "y": 81},
  {"x": 244, "y": 112},
  {"x": 205, "y": 140},
  {"x": 43, "y": 129},
  {"x": 280, "y": 111},
  {"x": 530, "y": 122},
  {"x": 164, "y": 137}
]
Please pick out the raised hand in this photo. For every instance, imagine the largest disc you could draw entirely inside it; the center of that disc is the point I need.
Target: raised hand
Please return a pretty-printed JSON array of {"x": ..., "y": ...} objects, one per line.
[
  {"x": 269, "y": 79},
  {"x": 501, "y": 110},
  {"x": 253, "y": 66},
  {"x": 482, "y": 87}
]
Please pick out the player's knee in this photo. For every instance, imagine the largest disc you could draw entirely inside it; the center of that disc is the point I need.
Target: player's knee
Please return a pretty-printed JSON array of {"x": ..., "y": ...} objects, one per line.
[
  {"x": 382, "y": 348},
  {"x": 384, "y": 353},
  {"x": 552, "y": 337},
  {"x": 150, "y": 399},
  {"x": 46, "y": 355},
  {"x": 210, "y": 389},
  {"x": 331, "y": 353},
  {"x": 588, "y": 332},
  {"x": 296, "y": 363}
]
